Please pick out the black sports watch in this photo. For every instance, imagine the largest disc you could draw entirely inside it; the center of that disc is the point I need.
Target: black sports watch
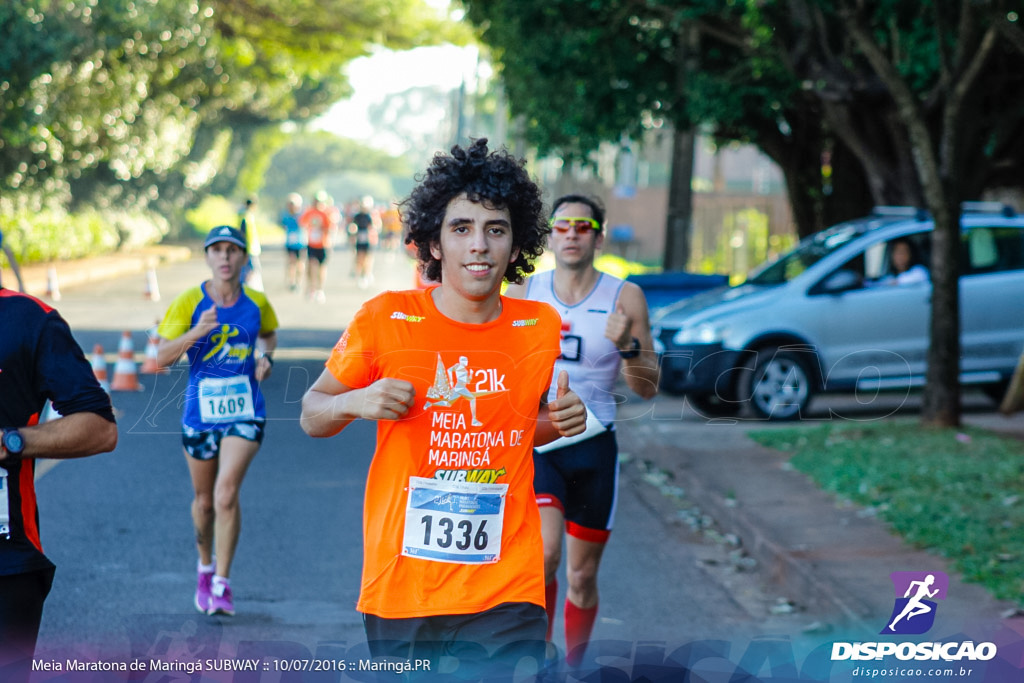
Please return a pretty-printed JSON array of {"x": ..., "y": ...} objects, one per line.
[
  {"x": 634, "y": 349},
  {"x": 14, "y": 443}
]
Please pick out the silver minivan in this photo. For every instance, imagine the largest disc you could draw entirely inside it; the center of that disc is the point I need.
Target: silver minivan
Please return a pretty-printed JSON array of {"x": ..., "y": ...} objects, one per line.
[{"x": 831, "y": 315}]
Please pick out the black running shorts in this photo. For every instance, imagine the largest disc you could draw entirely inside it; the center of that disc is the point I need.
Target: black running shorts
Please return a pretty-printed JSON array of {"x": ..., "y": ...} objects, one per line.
[{"x": 582, "y": 480}]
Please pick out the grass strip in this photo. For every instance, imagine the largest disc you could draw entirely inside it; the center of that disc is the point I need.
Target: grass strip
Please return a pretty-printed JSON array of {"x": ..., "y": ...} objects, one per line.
[{"x": 958, "y": 493}]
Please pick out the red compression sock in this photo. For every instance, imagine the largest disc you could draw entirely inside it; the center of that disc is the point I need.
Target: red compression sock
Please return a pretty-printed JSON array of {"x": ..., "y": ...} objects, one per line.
[
  {"x": 579, "y": 623},
  {"x": 550, "y": 596}
]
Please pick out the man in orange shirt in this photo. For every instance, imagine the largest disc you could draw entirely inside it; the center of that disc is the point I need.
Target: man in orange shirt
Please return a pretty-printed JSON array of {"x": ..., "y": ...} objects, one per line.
[
  {"x": 319, "y": 225},
  {"x": 453, "y": 557}
]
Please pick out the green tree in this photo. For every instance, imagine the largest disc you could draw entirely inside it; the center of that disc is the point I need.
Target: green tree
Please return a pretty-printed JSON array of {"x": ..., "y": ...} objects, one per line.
[
  {"x": 925, "y": 96},
  {"x": 287, "y": 57},
  {"x": 133, "y": 102},
  {"x": 399, "y": 118},
  {"x": 91, "y": 91},
  {"x": 601, "y": 69},
  {"x": 944, "y": 81},
  {"x": 308, "y": 158}
]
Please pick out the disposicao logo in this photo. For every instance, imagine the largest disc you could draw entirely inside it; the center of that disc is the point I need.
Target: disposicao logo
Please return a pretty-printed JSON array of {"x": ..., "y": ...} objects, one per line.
[
  {"x": 913, "y": 613},
  {"x": 914, "y": 610}
]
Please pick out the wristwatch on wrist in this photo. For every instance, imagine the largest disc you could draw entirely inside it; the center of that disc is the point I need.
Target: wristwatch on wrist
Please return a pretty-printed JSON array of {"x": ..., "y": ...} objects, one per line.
[
  {"x": 13, "y": 443},
  {"x": 634, "y": 349}
]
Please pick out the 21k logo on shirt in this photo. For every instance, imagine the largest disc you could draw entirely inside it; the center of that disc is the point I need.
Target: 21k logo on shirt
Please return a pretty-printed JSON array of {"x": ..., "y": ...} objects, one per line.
[{"x": 462, "y": 381}]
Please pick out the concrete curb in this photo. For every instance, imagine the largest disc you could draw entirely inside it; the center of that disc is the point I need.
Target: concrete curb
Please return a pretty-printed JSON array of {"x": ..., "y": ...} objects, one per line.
[
  {"x": 93, "y": 269},
  {"x": 826, "y": 556},
  {"x": 796, "y": 575}
]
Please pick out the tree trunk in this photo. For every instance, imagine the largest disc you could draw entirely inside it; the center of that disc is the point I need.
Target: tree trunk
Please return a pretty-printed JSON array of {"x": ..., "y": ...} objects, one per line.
[
  {"x": 941, "y": 406},
  {"x": 799, "y": 156},
  {"x": 936, "y": 167},
  {"x": 803, "y": 185},
  {"x": 941, "y": 401},
  {"x": 877, "y": 143},
  {"x": 942, "y": 188},
  {"x": 850, "y": 196},
  {"x": 679, "y": 221}
]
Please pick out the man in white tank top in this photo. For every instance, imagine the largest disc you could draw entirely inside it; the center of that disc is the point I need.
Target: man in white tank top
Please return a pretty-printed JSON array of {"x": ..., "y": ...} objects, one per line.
[{"x": 605, "y": 332}]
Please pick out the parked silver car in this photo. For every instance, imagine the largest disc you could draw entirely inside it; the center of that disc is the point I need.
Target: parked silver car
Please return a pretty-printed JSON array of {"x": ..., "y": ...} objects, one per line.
[{"x": 832, "y": 316}]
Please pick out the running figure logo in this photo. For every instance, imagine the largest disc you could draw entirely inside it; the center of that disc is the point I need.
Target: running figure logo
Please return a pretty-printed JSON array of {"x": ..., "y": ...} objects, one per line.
[
  {"x": 914, "y": 613},
  {"x": 223, "y": 350},
  {"x": 450, "y": 385}
]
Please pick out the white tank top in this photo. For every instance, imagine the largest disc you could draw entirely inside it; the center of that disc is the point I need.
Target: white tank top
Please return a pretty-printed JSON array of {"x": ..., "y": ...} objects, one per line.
[{"x": 591, "y": 359}]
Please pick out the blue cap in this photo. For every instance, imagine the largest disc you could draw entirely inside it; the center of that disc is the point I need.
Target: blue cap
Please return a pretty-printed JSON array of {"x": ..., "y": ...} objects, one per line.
[{"x": 225, "y": 233}]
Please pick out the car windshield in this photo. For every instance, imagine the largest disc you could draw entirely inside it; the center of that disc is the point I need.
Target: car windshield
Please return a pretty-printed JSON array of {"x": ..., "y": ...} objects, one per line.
[{"x": 803, "y": 256}]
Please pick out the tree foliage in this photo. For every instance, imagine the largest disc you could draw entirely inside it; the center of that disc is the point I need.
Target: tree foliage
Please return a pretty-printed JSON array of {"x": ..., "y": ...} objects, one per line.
[
  {"x": 604, "y": 69},
  {"x": 310, "y": 157},
  {"x": 785, "y": 76},
  {"x": 927, "y": 97},
  {"x": 141, "y": 100},
  {"x": 875, "y": 65},
  {"x": 404, "y": 121},
  {"x": 948, "y": 76}
]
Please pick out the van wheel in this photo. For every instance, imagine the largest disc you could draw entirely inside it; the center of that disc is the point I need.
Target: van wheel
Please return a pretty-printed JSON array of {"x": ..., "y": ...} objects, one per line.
[
  {"x": 779, "y": 387},
  {"x": 710, "y": 405}
]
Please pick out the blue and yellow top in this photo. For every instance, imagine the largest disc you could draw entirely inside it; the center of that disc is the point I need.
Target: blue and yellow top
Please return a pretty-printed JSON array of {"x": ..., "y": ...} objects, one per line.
[{"x": 222, "y": 385}]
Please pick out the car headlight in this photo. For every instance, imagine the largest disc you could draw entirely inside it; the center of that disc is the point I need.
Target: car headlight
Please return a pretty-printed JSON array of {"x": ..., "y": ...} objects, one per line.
[{"x": 705, "y": 333}]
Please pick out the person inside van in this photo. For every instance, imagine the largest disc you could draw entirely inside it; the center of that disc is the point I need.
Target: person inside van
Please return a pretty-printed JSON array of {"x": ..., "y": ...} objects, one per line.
[{"x": 905, "y": 267}]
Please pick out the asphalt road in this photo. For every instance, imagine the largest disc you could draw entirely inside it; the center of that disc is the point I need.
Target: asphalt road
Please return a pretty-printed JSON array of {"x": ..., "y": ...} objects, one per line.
[{"x": 118, "y": 527}]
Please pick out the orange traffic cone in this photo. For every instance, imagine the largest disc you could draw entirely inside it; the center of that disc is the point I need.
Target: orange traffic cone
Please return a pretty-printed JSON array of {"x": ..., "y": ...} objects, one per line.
[
  {"x": 52, "y": 289},
  {"x": 150, "y": 366},
  {"x": 126, "y": 377},
  {"x": 152, "y": 291},
  {"x": 99, "y": 367}
]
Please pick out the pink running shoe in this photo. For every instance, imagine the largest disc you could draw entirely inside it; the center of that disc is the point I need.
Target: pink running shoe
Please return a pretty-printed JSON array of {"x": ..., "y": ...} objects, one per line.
[
  {"x": 221, "y": 601},
  {"x": 204, "y": 586}
]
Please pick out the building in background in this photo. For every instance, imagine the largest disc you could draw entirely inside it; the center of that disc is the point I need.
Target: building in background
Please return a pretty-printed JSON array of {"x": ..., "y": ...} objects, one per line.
[{"x": 741, "y": 213}]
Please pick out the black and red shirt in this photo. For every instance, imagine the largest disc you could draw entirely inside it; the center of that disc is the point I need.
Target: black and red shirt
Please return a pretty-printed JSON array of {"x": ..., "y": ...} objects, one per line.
[{"x": 39, "y": 360}]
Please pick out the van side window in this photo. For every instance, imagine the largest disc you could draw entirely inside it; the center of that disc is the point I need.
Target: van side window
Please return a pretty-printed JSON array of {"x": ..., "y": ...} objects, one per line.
[
  {"x": 855, "y": 265},
  {"x": 874, "y": 261},
  {"x": 992, "y": 249},
  {"x": 900, "y": 261}
]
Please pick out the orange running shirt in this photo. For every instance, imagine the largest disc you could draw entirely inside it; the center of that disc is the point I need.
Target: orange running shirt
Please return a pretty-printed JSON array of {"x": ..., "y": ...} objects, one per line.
[
  {"x": 450, "y": 524},
  {"x": 318, "y": 226}
]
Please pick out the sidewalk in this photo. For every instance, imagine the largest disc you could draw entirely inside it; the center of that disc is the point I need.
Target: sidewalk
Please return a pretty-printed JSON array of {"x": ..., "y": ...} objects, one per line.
[
  {"x": 96, "y": 268},
  {"x": 827, "y": 556}
]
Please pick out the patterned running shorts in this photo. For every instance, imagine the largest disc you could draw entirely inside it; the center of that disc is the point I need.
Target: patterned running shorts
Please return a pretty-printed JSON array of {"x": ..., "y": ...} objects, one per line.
[{"x": 206, "y": 445}]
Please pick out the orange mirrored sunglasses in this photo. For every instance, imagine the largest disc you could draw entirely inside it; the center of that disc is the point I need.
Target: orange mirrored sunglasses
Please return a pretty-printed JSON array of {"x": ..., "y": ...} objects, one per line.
[{"x": 579, "y": 223}]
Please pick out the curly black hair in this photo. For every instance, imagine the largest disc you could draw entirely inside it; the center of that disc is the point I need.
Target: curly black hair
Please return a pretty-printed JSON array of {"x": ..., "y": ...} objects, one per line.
[{"x": 496, "y": 179}]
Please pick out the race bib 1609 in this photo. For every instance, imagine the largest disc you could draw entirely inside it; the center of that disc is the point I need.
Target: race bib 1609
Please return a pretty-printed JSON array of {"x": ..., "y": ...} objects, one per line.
[{"x": 226, "y": 399}]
